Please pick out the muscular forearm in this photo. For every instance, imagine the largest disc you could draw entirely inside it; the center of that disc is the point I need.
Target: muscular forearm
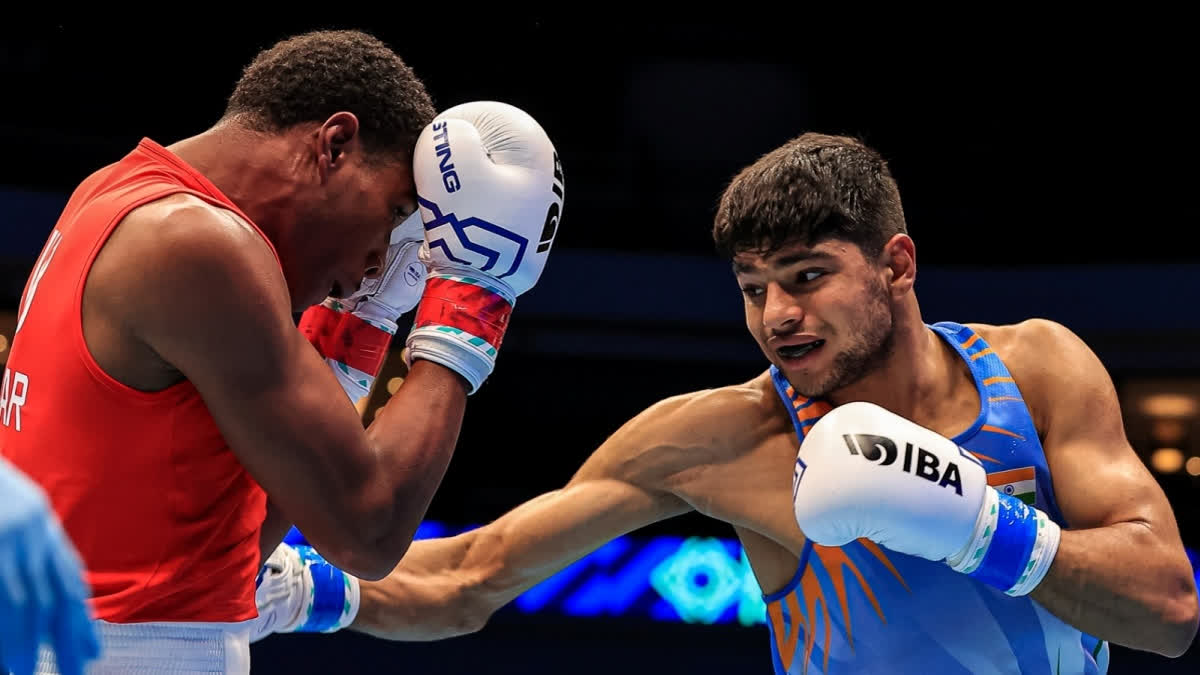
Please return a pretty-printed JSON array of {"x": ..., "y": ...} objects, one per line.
[
  {"x": 448, "y": 587},
  {"x": 429, "y": 608},
  {"x": 429, "y": 596},
  {"x": 452, "y": 586},
  {"x": 1121, "y": 584},
  {"x": 415, "y": 435}
]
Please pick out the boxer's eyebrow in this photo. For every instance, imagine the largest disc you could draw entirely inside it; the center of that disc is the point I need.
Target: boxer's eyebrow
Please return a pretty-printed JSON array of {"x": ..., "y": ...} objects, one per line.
[{"x": 784, "y": 261}]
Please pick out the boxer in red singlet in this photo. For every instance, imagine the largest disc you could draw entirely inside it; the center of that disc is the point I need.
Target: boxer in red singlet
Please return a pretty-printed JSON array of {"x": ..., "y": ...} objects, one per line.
[{"x": 158, "y": 387}]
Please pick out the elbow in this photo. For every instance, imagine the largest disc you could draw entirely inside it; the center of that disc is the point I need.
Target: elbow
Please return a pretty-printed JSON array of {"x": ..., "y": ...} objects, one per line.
[
  {"x": 368, "y": 566},
  {"x": 476, "y": 607},
  {"x": 1180, "y": 618},
  {"x": 473, "y": 622},
  {"x": 469, "y": 616},
  {"x": 385, "y": 517},
  {"x": 376, "y": 554},
  {"x": 1174, "y": 615},
  {"x": 377, "y": 541},
  {"x": 358, "y": 557},
  {"x": 364, "y": 562}
]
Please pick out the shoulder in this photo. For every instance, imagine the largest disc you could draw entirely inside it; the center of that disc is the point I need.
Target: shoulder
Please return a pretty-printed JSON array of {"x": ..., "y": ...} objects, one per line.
[
  {"x": 183, "y": 244},
  {"x": 186, "y": 227},
  {"x": 185, "y": 261},
  {"x": 1048, "y": 361},
  {"x": 1036, "y": 348}
]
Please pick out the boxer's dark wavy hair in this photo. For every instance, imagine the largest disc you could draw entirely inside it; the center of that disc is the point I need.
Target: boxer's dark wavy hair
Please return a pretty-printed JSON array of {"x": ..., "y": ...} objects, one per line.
[
  {"x": 308, "y": 77},
  {"x": 813, "y": 188}
]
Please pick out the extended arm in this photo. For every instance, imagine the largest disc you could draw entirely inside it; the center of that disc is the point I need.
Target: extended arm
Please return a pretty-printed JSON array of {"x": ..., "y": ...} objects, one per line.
[
  {"x": 446, "y": 587},
  {"x": 449, "y": 586}
]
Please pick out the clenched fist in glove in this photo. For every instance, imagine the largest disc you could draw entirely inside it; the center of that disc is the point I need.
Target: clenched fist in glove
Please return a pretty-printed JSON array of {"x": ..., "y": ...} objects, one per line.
[
  {"x": 866, "y": 472},
  {"x": 354, "y": 334},
  {"x": 490, "y": 188}
]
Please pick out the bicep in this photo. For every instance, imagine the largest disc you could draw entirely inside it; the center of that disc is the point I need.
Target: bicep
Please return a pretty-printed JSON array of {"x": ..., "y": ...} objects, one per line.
[
  {"x": 1101, "y": 481},
  {"x": 629, "y": 482},
  {"x": 218, "y": 311},
  {"x": 1098, "y": 478}
]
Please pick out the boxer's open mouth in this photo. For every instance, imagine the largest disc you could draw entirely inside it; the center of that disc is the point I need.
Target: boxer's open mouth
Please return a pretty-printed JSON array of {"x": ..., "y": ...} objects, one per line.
[{"x": 797, "y": 351}]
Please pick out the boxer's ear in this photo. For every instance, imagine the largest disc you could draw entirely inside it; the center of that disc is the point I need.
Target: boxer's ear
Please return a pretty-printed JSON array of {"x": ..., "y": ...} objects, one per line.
[
  {"x": 336, "y": 139},
  {"x": 898, "y": 261}
]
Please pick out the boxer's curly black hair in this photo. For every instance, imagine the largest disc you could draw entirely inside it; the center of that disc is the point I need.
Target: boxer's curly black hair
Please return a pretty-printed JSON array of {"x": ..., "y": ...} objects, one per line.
[
  {"x": 812, "y": 188},
  {"x": 308, "y": 77}
]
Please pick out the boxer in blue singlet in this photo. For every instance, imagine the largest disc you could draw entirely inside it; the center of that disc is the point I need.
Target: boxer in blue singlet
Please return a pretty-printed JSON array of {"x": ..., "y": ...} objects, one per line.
[{"x": 913, "y": 497}]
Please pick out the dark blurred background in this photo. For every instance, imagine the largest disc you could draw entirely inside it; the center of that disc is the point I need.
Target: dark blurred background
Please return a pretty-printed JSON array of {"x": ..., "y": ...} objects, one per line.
[{"x": 1046, "y": 168}]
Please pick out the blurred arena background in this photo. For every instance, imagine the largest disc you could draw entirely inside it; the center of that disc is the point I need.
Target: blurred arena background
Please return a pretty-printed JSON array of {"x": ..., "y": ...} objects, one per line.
[{"x": 1047, "y": 169}]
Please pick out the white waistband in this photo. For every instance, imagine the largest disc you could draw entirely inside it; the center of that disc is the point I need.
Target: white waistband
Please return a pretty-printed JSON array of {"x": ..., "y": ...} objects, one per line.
[{"x": 166, "y": 649}]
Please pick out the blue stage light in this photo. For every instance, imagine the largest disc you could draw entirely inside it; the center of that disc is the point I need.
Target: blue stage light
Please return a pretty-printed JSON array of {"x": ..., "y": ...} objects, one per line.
[{"x": 700, "y": 580}]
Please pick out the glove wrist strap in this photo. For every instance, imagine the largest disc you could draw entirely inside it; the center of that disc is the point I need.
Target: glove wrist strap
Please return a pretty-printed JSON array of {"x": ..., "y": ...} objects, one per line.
[
  {"x": 471, "y": 305},
  {"x": 354, "y": 346},
  {"x": 1012, "y": 547},
  {"x": 335, "y": 597},
  {"x": 460, "y": 324}
]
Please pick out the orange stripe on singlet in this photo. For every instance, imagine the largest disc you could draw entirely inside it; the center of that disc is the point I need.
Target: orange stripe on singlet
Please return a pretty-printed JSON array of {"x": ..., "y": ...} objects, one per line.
[
  {"x": 812, "y": 411},
  {"x": 998, "y": 430},
  {"x": 981, "y": 353},
  {"x": 985, "y": 458},
  {"x": 786, "y": 643},
  {"x": 817, "y": 605}
]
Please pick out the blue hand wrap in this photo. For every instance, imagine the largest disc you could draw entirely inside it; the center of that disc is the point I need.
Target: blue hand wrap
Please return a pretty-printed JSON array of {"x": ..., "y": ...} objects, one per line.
[
  {"x": 1012, "y": 543},
  {"x": 330, "y": 598}
]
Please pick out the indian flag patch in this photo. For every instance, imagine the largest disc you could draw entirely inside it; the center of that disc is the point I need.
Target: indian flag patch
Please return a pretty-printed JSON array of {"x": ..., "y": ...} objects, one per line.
[{"x": 1020, "y": 483}]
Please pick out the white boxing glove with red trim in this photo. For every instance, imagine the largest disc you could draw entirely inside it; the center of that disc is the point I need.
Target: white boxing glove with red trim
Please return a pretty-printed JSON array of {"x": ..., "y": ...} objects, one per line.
[
  {"x": 354, "y": 334},
  {"x": 490, "y": 188}
]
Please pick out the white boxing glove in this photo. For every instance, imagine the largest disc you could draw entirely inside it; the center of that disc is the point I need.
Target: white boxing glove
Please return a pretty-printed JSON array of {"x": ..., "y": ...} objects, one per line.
[
  {"x": 865, "y": 472},
  {"x": 490, "y": 188},
  {"x": 299, "y": 592},
  {"x": 354, "y": 334},
  {"x": 398, "y": 288}
]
